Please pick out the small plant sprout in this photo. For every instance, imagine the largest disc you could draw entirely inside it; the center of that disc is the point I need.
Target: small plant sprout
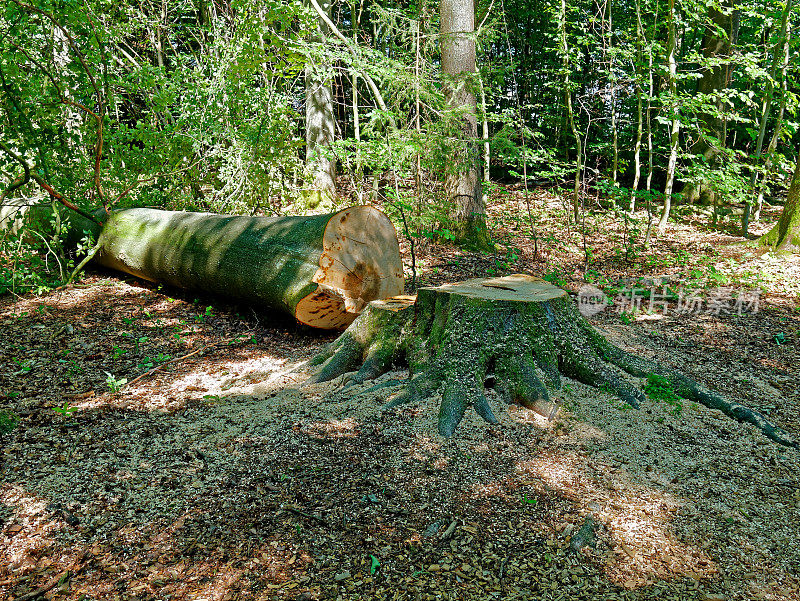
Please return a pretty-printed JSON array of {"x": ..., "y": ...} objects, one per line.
[
  {"x": 65, "y": 409},
  {"x": 374, "y": 564},
  {"x": 114, "y": 384},
  {"x": 25, "y": 365},
  {"x": 8, "y": 421}
]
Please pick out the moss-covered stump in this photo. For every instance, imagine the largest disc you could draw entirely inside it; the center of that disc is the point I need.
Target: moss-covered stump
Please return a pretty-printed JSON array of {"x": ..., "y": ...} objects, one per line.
[
  {"x": 321, "y": 269},
  {"x": 517, "y": 334}
]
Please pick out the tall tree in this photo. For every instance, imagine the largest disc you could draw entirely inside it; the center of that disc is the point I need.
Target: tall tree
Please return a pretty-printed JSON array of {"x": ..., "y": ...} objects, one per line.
[
  {"x": 457, "y": 24},
  {"x": 780, "y": 56},
  {"x": 717, "y": 44},
  {"x": 320, "y": 120},
  {"x": 675, "y": 123}
]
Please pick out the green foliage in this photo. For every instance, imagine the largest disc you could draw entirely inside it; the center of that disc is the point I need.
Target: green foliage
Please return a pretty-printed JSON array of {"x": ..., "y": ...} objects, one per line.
[
  {"x": 8, "y": 421},
  {"x": 374, "y": 564},
  {"x": 65, "y": 410},
  {"x": 115, "y": 384},
  {"x": 659, "y": 388},
  {"x": 165, "y": 104}
]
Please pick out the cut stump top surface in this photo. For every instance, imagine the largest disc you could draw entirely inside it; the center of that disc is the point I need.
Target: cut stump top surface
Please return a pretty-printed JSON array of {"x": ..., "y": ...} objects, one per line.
[{"x": 516, "y": 287}]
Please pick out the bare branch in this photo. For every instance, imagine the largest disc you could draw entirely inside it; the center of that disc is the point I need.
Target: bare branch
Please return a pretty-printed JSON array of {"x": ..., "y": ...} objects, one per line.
[{"x": 47, "y": 187}]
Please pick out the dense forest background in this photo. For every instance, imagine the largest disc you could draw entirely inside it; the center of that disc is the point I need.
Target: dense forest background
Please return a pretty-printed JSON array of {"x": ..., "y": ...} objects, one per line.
[{"x": 270, "y": 107}]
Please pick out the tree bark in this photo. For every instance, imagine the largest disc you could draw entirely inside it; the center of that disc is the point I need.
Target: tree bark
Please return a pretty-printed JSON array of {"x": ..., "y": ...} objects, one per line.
[
  {"x": 517, "y": 334},
  {"x": 320, "y": 123},
  {"x": 322, "y": 269},
  {"x": 785, "y": 235},
  {"x": 463, "y": 181},
  {"x": 675, "y": 123},
  {"x": 714, "y": 79}
]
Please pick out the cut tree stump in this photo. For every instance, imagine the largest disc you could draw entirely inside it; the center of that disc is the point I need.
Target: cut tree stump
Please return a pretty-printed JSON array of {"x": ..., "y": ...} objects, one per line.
[
  {"x": 321, "y": 269},
  {"x": 517, "y": 334}
]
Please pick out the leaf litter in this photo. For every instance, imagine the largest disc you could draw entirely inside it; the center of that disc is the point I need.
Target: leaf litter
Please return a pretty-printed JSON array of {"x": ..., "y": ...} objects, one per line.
[{"x": 222, "y": 477}]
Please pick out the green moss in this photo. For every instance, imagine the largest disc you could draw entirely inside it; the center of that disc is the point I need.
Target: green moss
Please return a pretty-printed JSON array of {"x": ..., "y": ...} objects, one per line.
[
  {"x": 660, "y": 388},
  {"x": 8, "y": 421}
]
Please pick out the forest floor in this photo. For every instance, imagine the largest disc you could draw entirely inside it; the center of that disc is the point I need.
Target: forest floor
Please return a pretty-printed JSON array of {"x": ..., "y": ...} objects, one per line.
[{"x": 217, "y": 477}]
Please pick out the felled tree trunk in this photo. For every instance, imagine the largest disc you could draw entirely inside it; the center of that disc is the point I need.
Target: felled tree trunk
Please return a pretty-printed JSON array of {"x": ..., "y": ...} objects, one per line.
[
  {"x": 517, "y": 334},
  {"x": 321, "y": 269}
]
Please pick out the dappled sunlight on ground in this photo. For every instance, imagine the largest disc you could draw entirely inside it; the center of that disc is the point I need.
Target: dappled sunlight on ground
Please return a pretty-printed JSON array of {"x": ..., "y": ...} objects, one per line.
[
  {"x": 29, "y": 528},
  {"x": 638, "y": 519},
  {"x": 220, "y": 476},
  {"x": 333, "y": 428}
]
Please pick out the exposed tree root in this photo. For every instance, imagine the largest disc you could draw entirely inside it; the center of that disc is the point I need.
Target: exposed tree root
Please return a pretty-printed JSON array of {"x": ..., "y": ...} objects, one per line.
[{"x": 517, "y": 334}]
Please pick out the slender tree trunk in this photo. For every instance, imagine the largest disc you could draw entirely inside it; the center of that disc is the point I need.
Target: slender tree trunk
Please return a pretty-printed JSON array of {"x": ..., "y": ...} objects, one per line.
[
  {"x": 780, "y": 51},
  {"x": 417, "y": 111},
  {"x": 463, "y": 183},
  {"x": 776, "y": 133},
  {"x": 637, "y": 146},
  {"x": 320, "y": 124},
  {"x": 487, "y": 151},
  {"x": 714, "y": 79},
  {"x": 570, "y": 113},
  {"x": 359, "y": 178},
  {"x": 675, "y": 124}
]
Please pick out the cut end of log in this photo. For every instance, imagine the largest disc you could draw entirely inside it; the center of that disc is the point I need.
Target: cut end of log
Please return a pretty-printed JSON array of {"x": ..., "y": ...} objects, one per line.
[{"x": 360, "y": 262}]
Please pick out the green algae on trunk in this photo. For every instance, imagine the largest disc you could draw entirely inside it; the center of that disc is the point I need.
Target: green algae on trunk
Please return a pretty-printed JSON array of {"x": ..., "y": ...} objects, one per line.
[{"x": 321, "y": 269}]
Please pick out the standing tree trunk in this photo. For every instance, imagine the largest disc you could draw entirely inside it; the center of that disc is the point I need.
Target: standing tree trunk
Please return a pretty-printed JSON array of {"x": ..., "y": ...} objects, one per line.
[
  {"x": 785, "y": 235},
  {"x": 320, "y": 124},
  {"x": 781, "y": 50},
  {"x": 637, "y": 146},
  {"x": 675, "y": 123},
  {"x": 516, "y": 334},
  {"x": 565, "y": 66},
  {"x": 717, "y": 43},
  {"x": 459, "y": 69}
]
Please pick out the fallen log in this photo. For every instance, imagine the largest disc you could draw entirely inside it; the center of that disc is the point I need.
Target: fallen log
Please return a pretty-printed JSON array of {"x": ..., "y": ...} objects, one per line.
[
  {"x": 517, "y": 334},
  {"x": 321, "y": 269}
]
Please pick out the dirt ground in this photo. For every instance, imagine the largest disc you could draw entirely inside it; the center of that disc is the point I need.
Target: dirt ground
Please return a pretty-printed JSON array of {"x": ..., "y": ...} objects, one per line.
[{"x": 219, "y": 477}]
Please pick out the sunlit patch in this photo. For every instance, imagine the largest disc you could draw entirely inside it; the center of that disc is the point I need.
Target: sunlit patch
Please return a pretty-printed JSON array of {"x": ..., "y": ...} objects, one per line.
[
  {"x": 333, "y": 428},
  {"x": 424, "y": 448},
  {"x": 489, "y": 489},
  {"x": 30, "y": 531},
  {"x": 638, "y": 518},
  {"x": 521, "y": 415}
]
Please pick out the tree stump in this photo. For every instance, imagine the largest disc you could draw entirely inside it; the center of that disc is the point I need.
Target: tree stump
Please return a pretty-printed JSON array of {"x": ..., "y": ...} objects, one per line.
[{"x": 517, "y": 334}]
